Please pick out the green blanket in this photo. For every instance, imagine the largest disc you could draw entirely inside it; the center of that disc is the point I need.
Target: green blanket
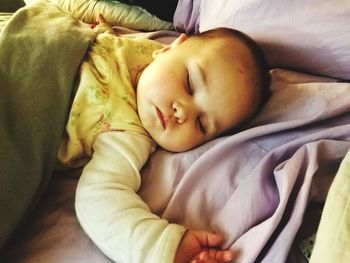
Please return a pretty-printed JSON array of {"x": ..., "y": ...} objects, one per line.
[
  {"x": 333, "y": 235},
  {"x": 41, "y": 48}
]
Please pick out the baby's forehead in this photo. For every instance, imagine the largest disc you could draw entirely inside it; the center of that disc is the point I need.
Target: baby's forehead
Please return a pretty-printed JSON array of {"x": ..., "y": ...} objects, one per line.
[
  {"x": 222, "y": 39},
  {"x": 226, "y": 50}
]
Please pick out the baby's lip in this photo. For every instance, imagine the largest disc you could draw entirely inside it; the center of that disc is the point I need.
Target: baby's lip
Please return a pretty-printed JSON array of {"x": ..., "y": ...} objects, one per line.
[{"x": 161, "y": 118}]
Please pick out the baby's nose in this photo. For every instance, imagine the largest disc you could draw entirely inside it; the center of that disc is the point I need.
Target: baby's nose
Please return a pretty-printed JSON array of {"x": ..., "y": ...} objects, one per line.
[{"x": 180, "y": 113}]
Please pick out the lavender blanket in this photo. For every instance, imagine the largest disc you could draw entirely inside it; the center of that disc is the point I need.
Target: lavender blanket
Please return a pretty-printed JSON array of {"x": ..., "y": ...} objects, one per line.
[
  {"x": 254, "y": 186},
  {"x": 308, "y": 36}
]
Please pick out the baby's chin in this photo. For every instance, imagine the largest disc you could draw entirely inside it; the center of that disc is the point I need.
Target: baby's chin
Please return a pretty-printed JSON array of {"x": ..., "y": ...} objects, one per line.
[{"x": 172, "y": 146}]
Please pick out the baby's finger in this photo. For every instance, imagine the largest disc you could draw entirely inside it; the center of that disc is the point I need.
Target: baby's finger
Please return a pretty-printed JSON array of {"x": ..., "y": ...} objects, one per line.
[
  {"x": 204, "y": 255},
  {"x": 205, "y": 259},
  {"x": 217, "y": 255},
  {"x": 101, "y": 19},
  {"x": 213, "y": 252},
  {"x": 225, "y": 255},
  {"x": 207, "y": 239}
]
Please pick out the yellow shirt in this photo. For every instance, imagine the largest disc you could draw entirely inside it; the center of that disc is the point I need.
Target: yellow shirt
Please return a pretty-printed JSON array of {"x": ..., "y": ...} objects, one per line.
[{"x": 105, "y": 99}]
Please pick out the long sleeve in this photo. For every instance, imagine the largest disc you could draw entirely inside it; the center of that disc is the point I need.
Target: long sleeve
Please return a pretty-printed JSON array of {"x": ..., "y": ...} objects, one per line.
[
  {"x": 115, "y": 12},
  {"x": 110, "y": 211}
]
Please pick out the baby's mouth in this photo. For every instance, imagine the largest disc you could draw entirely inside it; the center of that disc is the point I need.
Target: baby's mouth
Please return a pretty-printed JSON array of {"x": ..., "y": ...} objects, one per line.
[{"x": 161, "y": 118}]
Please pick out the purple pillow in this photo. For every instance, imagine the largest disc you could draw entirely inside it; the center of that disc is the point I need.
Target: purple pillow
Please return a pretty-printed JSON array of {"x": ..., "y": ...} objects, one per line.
[{"x": 308, "y": 36}]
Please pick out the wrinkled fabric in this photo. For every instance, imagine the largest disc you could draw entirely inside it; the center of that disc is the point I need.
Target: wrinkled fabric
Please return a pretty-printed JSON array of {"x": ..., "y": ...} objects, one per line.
[
  {"x": 311, "y": 36},
  {"x": 186, "y": 16},
  {"x": 254, "y": 186},
  {"x": 38, "y": 66}
]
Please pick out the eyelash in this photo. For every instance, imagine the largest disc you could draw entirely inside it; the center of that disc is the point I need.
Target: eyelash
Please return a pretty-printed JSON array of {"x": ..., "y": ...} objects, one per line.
[
  {"x": 200, "y": 126},
  {"x": 189, "y": 87},
  {"x": 190, "y": 91}
]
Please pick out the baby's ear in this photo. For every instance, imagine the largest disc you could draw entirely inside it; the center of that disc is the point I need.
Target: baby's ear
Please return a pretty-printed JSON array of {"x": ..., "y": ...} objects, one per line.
[
  {"x": 178, "y": 41},
  {"x": 172, "y": 45}
]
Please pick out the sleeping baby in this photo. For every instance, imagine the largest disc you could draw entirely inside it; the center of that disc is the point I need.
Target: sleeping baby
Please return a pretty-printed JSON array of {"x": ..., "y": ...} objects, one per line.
[
  {"x": 130, "y": 95},
  {"x": 135, "y": 94}
]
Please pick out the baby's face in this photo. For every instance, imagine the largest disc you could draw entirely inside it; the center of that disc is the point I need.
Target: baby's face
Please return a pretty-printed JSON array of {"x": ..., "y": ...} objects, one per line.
[{"x": 194, "y": 91}]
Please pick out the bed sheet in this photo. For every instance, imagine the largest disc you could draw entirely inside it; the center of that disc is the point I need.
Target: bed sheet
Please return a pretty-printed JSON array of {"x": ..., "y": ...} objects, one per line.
[
  {"x": 309, "y": 36},
  {"x": 53, "y": 234},
  {"x": 253, "y": 186}
]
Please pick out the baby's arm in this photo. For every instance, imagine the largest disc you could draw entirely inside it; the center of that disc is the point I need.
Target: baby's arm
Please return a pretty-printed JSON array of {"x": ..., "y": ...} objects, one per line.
[
  {"x": 117, "y": 219},
  {"x": 101, "y": 25},
  {"x": 111, "y": 212}
]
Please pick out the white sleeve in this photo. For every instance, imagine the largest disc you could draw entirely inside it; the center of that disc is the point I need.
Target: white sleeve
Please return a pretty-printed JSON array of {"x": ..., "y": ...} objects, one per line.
[
  {"x": 116, "y": 13},
  {"x": 110, "y": 211}
]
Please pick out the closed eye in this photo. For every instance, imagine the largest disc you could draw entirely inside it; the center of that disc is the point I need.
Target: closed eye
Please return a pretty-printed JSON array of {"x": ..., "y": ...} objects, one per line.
[
  {"x": 200, "y": 126},
  {"x": 188, "y": 84}
]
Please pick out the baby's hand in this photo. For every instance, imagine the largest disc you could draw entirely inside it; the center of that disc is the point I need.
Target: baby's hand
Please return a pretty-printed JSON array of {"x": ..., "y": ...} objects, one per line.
[
  {"x": 101, "y": 19},
  {"x": 102, "y": 25},
  {"x": 201, "y": 247}
]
